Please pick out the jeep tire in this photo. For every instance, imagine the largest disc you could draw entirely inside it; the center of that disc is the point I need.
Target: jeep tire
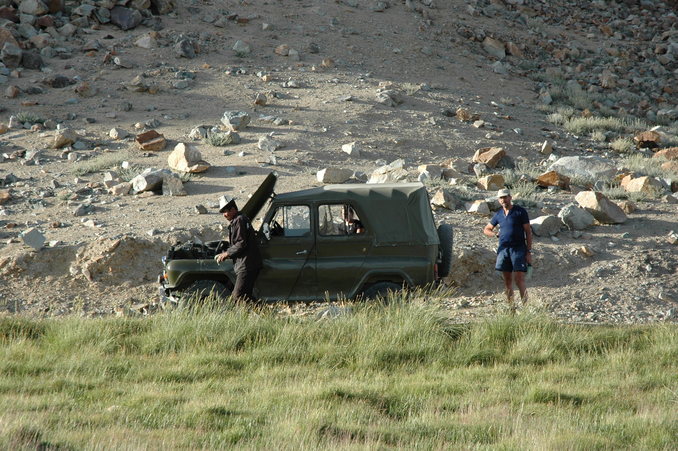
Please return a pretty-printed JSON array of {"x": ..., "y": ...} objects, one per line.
[
  {"x": 202, "y": 288},
  {"x": 380, "y": 290},
  {"x": 446, "y": 236}
]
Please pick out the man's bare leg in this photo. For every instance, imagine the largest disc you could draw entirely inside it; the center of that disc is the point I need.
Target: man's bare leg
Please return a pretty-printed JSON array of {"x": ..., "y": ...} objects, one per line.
[
  {"x": 519, "y": 277},
  {"x": 508, "y": 290}
]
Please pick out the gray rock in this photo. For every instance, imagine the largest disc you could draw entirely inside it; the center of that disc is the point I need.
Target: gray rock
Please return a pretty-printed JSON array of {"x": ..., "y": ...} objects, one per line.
[
  {"x": 268, "y": 144},
  {"x": 587, "y": 168},
  {"x": 548, "y": 225},
  {"x": 11, "y": 55},
  {"x": 32, "y": 60},
  {"x": 185, "y": 49},
  {"x": 389, "y": 97},
  {"x": 83, "y": 210},
  {"x": 172, "y": 185},
  {"x": 34, "y": 238},
  {"x": 242, "y": 48},
  {"x": 390, "y": 173},
  {"x": 125, "y": 18},
  {"x": 576, "y": 218},
  {"x": 200, "y": 209},
  {"x": 235, "y": 120},
  {"x": 33, "y": 7}
]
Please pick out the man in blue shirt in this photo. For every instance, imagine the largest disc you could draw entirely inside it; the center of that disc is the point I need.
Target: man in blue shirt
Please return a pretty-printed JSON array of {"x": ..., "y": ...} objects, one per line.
[{"x": 514, "y": 253}]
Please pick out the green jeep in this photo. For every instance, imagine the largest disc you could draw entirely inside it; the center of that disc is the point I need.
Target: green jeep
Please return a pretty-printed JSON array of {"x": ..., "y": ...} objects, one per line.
[{"x": 329, "y": 242}]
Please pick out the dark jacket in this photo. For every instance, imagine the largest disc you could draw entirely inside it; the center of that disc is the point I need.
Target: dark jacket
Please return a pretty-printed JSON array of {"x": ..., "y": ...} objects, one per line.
[{"x": 243, "y": 248}]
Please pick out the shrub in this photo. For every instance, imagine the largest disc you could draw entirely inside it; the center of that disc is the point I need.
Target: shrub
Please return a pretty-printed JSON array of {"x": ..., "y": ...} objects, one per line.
[
  {"x": 100, "y": 163},
  {"x": 31, "y": 118},
  {"x": 622, "y": 145}
]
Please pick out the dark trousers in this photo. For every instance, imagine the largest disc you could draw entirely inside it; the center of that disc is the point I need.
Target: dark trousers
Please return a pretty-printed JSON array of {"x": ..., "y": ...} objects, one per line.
[{"x": 244, "y": 284}]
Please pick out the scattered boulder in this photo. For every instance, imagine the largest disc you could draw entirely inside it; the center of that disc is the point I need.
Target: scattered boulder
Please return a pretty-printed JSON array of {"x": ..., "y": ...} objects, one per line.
[
  {"x": 478, "y": 207},
  {"x": 443, "y": 199},
  {"x": 64, "y": 137},
  {"x": 670, "y": 153},
  {"x": 494, "y": 47},
  {"x": 389, "y": 97},
  {"x": 491, "y": 182},
  {"x": 604, "y": 210},
  {"x": 352, "y": 149},
  {"x": 10, "y": 54},
  {"x": 242, "y": 48},
  {"x": 575, "y": 217},
  {"x": 151, "y": 140},
  {"x": 548, "y": 225},
  {"x": 172, "y": 185},
  {"x": 149, "y": 180},
  {"x": 118, "y": 133},
  {"x": 268, "y": 144},
  {"x": 187, "y": 158},
  {"x": 553, "y": 178},
  {"x": 120, "y": 189},
  {"x": 235, "y": 120},
  {"x": 125, "y": 18},
  {"x": 34, "y": 238},
  {"x": 390, "y": 173},
  {"x": 645, "y": 184},
  {"x": 490, "y": 156},
  {"x": 334, "y": 175},
  {"x": 587, "y": 168},
  {"x": 5, "y": 196}
]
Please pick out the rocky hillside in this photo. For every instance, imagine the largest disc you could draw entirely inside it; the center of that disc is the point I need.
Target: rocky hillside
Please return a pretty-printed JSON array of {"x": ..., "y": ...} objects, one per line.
[{"x": 121, "y": 124}]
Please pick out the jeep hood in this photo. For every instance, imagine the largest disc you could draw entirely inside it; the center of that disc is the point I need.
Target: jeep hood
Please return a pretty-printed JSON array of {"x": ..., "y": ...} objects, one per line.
[{"x": 260, "y": 196}]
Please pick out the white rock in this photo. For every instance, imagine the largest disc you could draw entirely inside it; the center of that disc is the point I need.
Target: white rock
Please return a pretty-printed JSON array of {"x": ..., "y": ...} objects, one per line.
[
  {"x": 118, "y": 133},
  {"x": 352, "y": 149},
  {"x": 334, "y": 175},
  {"x": 34, "y": 238}
]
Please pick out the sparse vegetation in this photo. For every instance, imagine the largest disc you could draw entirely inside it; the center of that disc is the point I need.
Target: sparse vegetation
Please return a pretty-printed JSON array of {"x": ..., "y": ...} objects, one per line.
[
  {"x": 622, "y": 145},
  {"x": 131, "y": 171},
  {"x": 615, "y": 191},
  {"x": 643, "y": 165},
  {"x": 30, "y": 118},
  {"x": 395, "y": 376},
  {"x": 102, "y": 162}
]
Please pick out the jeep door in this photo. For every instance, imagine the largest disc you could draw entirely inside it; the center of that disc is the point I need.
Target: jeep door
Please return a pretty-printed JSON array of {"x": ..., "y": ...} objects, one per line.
[
  {"x": 342, "y": 245},
  {"x": 288, "y": 254}
]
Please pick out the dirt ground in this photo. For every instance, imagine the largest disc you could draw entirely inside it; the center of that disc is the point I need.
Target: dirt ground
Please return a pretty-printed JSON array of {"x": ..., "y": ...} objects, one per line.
[{"x": 632, "y": 276}]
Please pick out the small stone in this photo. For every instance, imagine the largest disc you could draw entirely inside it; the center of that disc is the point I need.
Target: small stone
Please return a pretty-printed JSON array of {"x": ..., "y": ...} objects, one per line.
[
  {"x": 118, "y": 133},
  {"x": 352, "y": 149},
  {"x": 64, "y": 137},
  {"x": 477, "y": 207},
  {"x": 491, "y": 156},
  {"x": 491, "y": 182},
  {"x": 260, "y": 99},
  {"x": 546, "y": 148},
  {"x": 200, "y": 209},
  {"x": 241, "y": 48}
]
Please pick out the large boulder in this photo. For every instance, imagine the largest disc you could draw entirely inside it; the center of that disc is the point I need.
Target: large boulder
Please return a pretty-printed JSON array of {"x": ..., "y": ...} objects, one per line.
[
  {"x": 604, "y": 210},
  {"x": 575, "y": 217},
  {"x": 390, "y": 173},
  {"x": 235, "y": 120},
  {"x": 548, "y": 225},
  {"x": 552, "y": 178},
  {"x": 491, "y": 156},
  {"x": 334, "y": 175},
  {"x": 645, "y": 184},
  {"x": 587, "y": 168},
  {"x": 491, "y": 182},
  {"x": 187, "y": 158}
]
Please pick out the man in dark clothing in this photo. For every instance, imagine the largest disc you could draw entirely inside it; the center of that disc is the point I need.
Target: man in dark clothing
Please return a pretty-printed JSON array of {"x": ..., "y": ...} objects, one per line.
[
  {"x": 514, "y": 253},
  {"x": 242, "y": 249}
]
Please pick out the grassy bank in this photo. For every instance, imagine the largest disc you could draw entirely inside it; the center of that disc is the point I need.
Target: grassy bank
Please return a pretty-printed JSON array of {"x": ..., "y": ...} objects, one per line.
[{"x": 396, "y": 376}]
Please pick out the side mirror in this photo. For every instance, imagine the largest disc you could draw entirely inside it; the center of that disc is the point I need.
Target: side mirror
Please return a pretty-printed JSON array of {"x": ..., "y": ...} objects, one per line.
[{"x": 266, "y": 230}]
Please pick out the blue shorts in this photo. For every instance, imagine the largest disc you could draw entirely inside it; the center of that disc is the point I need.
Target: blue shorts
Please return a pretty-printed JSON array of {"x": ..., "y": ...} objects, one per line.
[{"x": 511, "y": 260}]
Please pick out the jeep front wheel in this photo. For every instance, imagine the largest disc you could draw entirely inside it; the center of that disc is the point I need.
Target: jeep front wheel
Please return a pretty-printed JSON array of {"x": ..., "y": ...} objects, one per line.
[{"x": 202, "y": 289}]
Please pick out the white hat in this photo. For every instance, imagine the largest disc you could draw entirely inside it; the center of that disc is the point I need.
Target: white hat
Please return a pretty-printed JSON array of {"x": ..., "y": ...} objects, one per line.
[
  {"x": 226, "y": 203},
  {"x": 503, "y": 192}
]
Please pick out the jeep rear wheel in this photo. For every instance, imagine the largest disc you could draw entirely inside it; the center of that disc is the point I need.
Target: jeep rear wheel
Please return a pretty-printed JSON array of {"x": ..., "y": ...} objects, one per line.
[
  {"x": 446, "y": 236},
  {"x": 380, "y": 290}
]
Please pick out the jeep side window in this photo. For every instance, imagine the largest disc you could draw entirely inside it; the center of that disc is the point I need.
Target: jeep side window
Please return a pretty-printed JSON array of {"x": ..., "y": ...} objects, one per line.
[
  {"x": 291, "y": 221},
  {"x": 338, "y": 220}
]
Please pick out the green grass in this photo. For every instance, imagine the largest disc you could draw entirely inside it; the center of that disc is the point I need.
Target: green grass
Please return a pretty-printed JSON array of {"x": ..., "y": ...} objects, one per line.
[
  {"x": 397, "y": 376},
  {"x": 25, "y": 117}
]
